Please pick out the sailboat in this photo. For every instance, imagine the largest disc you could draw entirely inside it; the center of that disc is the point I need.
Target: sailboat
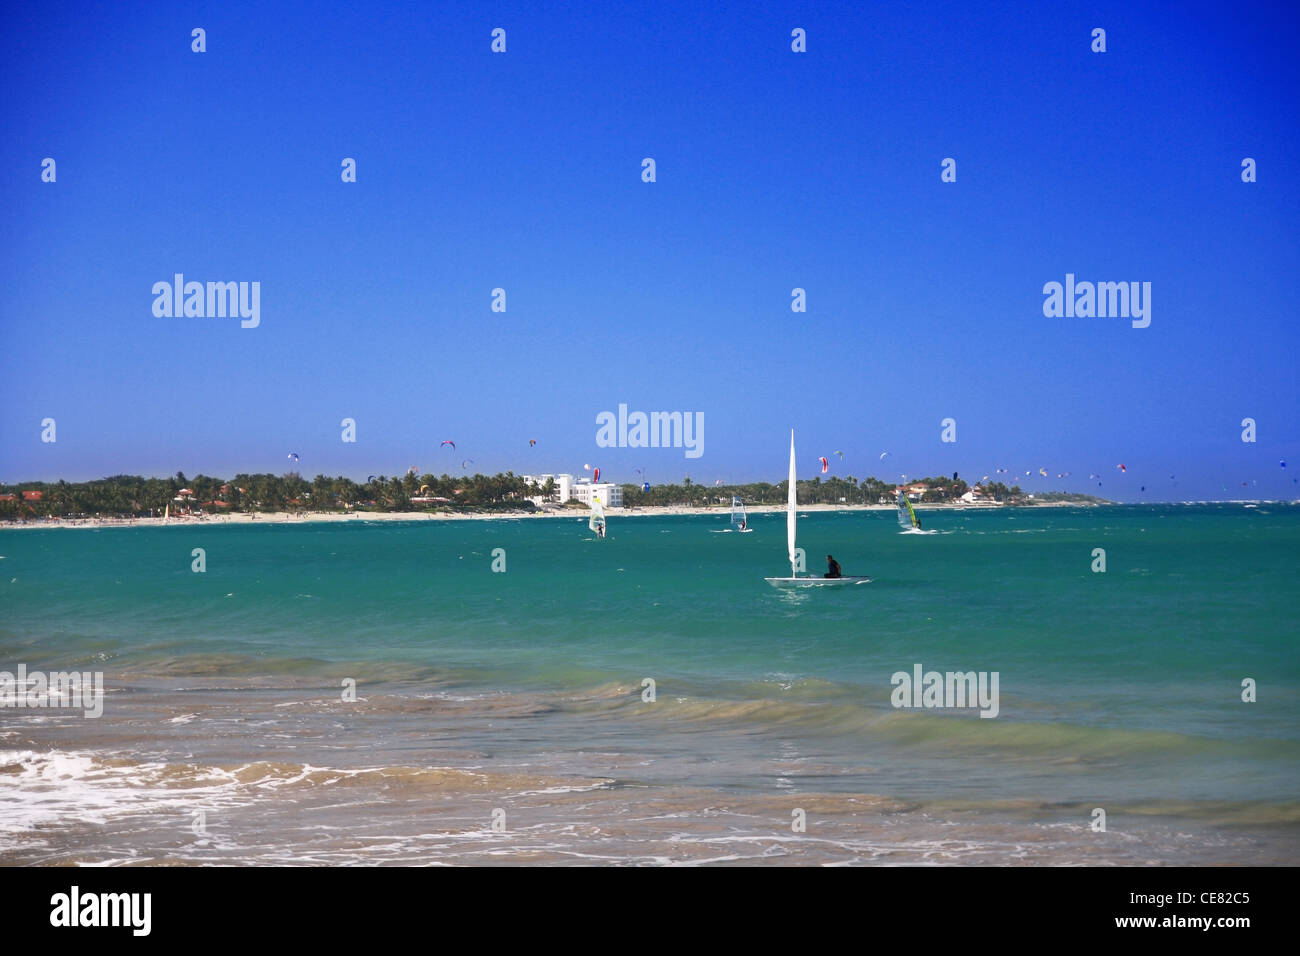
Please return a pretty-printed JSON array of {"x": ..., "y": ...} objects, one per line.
[
  {"x": 907, "y": 518},
  {"x": 791, "y": 520},
  {"x": 597, "y": 520},
  {"x": 739, "y": 520}
]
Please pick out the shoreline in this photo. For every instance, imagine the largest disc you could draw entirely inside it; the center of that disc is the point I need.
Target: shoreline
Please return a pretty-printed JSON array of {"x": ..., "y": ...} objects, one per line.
[{"x": 311, "y": 517}]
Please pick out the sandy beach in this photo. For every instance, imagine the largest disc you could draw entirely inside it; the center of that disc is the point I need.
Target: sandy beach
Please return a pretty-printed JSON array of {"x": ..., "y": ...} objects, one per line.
[{"x": 302, "y": 517}]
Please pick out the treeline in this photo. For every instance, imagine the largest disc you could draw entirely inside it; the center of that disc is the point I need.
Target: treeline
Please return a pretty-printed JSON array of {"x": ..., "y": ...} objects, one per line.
[
  {"x": 1069, "y": 496},
  {"x": 814, "y": 491},
  {"x": 833, "y": 490},
  {"x": 133, "y": 496}
]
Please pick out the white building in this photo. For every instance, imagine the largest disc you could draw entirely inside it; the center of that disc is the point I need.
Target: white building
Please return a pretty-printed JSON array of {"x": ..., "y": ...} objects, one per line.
[
  {"x": 607, "y": 493},
  {"x": 562, "y": 483},
  {"x": 563, "y": 486},
  {"x": 566, "y": 489}
]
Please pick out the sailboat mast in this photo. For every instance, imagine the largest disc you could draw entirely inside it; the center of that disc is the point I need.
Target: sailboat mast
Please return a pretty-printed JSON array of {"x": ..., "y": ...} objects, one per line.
[{"x": 792, "y": 506}]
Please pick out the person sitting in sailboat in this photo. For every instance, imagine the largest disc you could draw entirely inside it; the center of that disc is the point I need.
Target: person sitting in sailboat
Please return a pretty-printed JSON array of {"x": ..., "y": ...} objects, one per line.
[{"x": 833, "y": 568}]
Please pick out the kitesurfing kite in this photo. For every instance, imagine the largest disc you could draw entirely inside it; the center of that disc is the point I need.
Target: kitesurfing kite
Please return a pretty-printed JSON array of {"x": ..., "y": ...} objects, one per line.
[
  {"x": 884, "y": 455},
  {"x": 1123, "y": 468},
  {"x": 595, "y": 474},
  {"x": 841, "y": 454},
  {"x": 370, "y": 479},
  {"x": 532, "y": 442},
  {"x": 293, "y": 456},
  {"x": 825, "y": 465},
  {"x": 467, "y": 461},
  {"x": 449, "y": 442},
  {"x": 413, "y": 470}
]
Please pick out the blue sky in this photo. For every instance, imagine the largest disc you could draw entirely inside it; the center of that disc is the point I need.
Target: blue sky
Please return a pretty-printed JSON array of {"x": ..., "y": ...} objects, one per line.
[{"x": 775, "y": 170}]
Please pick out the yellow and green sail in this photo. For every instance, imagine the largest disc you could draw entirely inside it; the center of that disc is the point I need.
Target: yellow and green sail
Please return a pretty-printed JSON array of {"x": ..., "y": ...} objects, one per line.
[{"x": 907, "y": 518}]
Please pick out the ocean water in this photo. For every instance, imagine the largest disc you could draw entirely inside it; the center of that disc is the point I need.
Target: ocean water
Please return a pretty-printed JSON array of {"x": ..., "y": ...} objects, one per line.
[{"x": 500, "y": 716}]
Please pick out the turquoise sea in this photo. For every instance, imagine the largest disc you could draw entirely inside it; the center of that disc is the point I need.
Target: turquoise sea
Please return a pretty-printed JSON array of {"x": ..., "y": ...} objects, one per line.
[{"x": 501, "y": 716}]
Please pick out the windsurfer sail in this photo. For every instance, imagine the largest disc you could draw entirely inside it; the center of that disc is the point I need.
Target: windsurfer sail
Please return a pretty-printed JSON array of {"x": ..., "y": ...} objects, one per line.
[
  {"x": 738, "y": 519},
  {"x": 907, "y": 518}
]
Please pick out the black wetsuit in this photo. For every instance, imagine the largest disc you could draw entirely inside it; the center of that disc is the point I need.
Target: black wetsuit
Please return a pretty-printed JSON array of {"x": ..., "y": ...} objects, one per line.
[{"x": 834, "y": 571}]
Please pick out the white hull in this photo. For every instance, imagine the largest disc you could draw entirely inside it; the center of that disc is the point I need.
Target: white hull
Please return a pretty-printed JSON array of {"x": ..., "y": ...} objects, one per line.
[{"x": 815, "y": 582}]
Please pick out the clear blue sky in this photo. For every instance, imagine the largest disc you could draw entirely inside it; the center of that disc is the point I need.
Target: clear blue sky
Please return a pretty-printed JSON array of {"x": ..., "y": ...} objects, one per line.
[{"x": 775, "y": 170}]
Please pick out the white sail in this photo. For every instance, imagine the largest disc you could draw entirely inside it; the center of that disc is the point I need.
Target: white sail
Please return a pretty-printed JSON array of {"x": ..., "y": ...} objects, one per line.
[
  {"x": 597, "y": 520},
  {"x": 791, "y": 517},
  {"x": 792, "y": 506},
  {"x": 907, "y": 518},
  {"x": 738, "y": 519}
]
